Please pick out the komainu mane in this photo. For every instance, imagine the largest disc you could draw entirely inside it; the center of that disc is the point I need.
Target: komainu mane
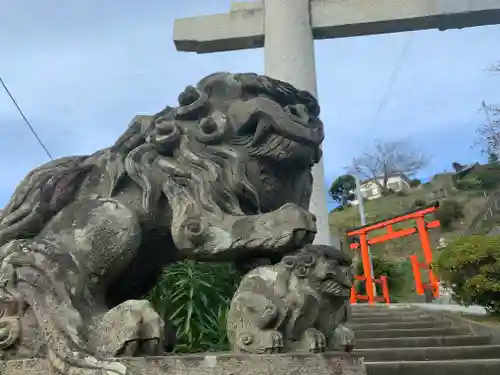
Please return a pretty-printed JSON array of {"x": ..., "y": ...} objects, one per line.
[{"x": 226, "y": 175}]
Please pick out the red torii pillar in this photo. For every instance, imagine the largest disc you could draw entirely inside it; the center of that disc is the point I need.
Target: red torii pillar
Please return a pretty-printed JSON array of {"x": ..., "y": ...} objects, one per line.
[{"x": 421, "y": 228}]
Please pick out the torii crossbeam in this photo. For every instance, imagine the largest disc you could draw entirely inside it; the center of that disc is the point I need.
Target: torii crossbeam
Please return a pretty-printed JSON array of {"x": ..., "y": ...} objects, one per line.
[
  {"x": 243, "y": 27},
  {"x": 287, "y": 29}
]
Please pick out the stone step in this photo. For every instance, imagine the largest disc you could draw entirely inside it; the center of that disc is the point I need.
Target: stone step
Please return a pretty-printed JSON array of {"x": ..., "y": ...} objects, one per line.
[
  {"x": 372, "y": 311},
  {"x": 382, "y": 307},
  {"x": 418, "y": 332},
  {"x": 395, "y": 318},
  {"x": 455, "y": 367},
  {"x": 387, "y": 314},
  {"x": 362, "y": 309},
  {"x": 397, "y": 325},
  {"x": 412, "y": 342},
  {"x": 430, "y": 353}
]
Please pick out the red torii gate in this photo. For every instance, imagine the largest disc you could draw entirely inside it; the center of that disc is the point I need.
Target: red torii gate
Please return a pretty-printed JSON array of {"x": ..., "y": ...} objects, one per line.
[{"x": 421, "y": 228}]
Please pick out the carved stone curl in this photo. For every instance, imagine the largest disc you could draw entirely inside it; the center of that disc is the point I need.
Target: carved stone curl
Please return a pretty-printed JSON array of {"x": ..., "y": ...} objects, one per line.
[
  {"x": 10, "y": 325},
  {"x": 298, "y": 304},
  {"x": 225, "y": 175}
]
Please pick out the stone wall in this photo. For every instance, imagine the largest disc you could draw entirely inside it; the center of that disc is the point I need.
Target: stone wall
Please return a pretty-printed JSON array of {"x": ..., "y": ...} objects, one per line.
[{"x": 216, "y": 364}]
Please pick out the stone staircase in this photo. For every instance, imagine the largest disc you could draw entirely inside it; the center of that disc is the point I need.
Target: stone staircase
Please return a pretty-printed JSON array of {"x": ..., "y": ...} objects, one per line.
[{"x": 409, "y": 341}]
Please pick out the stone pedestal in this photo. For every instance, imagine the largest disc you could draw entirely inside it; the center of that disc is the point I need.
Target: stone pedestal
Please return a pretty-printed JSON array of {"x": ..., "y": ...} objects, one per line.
[{"x": 217, "y": 364}]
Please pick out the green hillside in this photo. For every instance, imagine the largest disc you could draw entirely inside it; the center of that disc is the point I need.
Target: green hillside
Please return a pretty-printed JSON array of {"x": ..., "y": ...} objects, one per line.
[
  {"x": 441, "y": 188},
  {"x": 473, "y": 191}
]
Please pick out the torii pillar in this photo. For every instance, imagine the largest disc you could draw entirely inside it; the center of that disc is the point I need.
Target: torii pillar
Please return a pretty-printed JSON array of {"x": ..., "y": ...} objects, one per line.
[
  {"x": 289, "y": 57},
  {"x": 287, "y": 29}
]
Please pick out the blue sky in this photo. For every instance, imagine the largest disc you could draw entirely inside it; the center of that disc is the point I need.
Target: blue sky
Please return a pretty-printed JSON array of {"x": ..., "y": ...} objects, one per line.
[{"x": 81, "y": 70}]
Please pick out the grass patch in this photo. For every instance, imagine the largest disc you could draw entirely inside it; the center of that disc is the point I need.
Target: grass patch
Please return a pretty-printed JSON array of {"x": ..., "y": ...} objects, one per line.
[{"x": 490, "y": 319}]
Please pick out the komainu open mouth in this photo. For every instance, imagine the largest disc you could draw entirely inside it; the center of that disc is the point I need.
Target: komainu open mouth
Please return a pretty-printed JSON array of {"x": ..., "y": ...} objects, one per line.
[
  {"x": 260, "y": 116},
  {"x": 332, "y": 287}
]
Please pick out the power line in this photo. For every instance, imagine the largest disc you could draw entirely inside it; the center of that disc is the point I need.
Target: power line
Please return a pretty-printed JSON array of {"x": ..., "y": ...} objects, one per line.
[
  {"x": 381, "y": 107},
  {"x": 385, "y": 98},
  {"x": 394, "y": 77},
  {"x": 25, "y": 119}
]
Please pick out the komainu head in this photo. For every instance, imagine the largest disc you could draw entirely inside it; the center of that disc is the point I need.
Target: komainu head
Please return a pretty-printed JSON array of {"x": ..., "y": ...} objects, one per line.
[
  {"x": 238, "y": 143},
  {"x": 327, "y": 269}
]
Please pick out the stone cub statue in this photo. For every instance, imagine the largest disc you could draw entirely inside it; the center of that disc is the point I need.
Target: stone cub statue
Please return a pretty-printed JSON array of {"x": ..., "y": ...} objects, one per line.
[{"x": 298, "y": 304}]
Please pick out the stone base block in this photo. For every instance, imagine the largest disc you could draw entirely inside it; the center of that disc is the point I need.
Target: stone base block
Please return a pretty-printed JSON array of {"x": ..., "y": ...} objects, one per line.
[{"x": 216, "y": 364}]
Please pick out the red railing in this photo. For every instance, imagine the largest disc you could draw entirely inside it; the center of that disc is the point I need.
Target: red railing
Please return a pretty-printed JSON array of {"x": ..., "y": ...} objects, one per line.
[
  {"x": 420, "y": 287},
  {"x": 382, "y": 281}
]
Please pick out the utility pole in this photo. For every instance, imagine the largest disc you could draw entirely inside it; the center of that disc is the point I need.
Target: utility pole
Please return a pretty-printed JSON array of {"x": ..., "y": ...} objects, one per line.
[
  {"x": 359, "y": 198},
  {"x": 362, "y": 216}
]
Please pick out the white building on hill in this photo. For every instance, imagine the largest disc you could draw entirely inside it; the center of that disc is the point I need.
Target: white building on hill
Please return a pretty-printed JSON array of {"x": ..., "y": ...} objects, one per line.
[{"x": 370, "y": 189}]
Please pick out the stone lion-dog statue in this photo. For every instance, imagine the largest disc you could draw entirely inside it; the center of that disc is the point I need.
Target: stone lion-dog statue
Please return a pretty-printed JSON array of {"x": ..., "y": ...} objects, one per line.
[
  {"x": 298, "y": 304},
  {"x": 224, "y": 176}
]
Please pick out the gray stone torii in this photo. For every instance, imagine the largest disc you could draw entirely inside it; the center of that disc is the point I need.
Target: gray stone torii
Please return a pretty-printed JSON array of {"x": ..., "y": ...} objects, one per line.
[{"x": 287, "y": 29}]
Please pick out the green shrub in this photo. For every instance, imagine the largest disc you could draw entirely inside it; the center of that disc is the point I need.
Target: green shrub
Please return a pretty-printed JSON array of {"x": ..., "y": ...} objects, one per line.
[
  {"x": 338, "y": 209},
  {"x": 401, "y": 193},
  {"x": 415, "y": 183},
  {"x": 469, "y": 183},
  {"x": 195, "y": 298},
  {"x": 405, "y": 269},
  {"x": 383, "y": 266},
  {"x": 488, "y": 178},
  {"x": 470, "y": 266},
  {"x": 449, "y": 211}
]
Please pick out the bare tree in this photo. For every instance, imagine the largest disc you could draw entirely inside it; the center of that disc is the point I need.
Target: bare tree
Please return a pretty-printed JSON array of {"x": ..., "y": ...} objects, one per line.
[
  {"x": 494, "y": 68},
  {"x": 388, "y": 158},
  {"x": 488, "y": 139}
]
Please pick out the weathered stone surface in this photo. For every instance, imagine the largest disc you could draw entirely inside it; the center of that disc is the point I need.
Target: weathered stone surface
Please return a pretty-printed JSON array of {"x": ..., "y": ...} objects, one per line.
[
  {"x": 217, "y": 364},
  {"x": 299, "y": 304},
  {"x": 225, "y": 175},
  {"x": 244, "y": 28}
]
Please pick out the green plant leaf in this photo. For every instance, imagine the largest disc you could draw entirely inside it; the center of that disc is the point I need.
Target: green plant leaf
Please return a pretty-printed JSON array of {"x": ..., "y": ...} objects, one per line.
[{"x": 195, "y": 297}]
